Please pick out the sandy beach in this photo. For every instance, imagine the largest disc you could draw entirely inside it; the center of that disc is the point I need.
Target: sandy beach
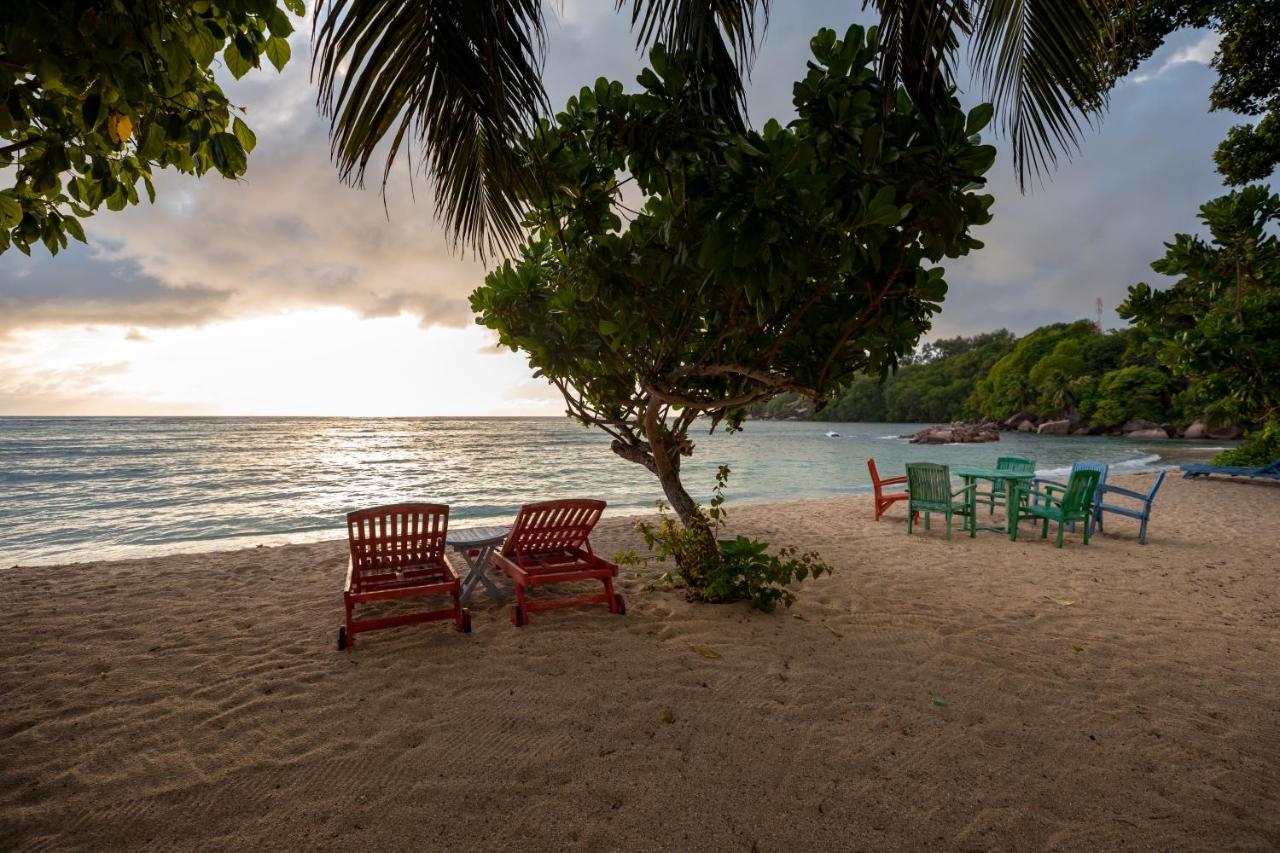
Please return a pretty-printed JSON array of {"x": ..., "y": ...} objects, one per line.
[{"x": 968, "y": 695}]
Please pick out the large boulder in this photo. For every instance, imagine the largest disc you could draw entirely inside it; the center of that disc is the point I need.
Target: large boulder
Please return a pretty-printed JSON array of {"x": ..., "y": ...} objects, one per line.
[
  {"x": 1013, "y": 421},
  {"x": 1062, "y": 427},
  {"x": 1154, "y": 434},
  {"x": 1138, "y": 425},
  {"x": 1196, "y": 430},
  {"x": 1232, "y": 432},
  {"x": 1026, "y": 426}
]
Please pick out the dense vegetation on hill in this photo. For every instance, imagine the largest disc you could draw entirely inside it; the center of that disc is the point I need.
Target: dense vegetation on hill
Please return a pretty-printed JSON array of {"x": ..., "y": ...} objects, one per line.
[
  {"x": 1206, "y": 348},
  {"x": 1064, "y": 370}
]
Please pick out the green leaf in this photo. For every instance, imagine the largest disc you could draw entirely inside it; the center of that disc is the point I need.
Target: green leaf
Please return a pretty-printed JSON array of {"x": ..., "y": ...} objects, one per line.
[
  {"x": 979, "y": 117},
  {"x": 295, "y": 6},
  {"x": 243, "y": 133},
  {"x": 608, "y": 327},
  {"x": 278, "y": 52},
  {"x": 10, "y": 210},
  {"x": 73, "y": 227},
  {"x": 228, "y": 155},
  {"x": 278, "y": 23},
  {"x": 237, "y": 63}
]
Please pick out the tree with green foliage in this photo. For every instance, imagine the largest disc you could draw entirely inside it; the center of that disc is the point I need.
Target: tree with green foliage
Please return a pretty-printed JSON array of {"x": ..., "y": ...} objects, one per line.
[
  {"x": 96, "y": 94},
  {"x": 1247, "y": 62},
  {"x": 1218, "y": 325},
  {"x": 753, "y": 262},
  {"x": 1135, "y": 392},
  {"x": 463, "y": 81}
]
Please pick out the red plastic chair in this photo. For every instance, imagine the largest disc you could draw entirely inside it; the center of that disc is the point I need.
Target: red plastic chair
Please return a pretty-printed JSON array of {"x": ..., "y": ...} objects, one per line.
[
  {"x": 548, "y": 544},
  {"x": 397, "y": 551},
  {"x": 884, "y": 499}
]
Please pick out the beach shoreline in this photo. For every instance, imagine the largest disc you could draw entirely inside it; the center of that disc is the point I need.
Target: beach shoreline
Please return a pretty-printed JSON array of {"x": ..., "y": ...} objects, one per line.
[{"x": 975, "y": 693}]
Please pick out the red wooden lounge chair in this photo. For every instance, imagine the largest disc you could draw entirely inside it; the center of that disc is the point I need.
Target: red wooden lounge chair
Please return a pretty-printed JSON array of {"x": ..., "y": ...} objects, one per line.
[
  {"x": 884, "y": 499},
  {"x": 548, "y": 544},
  {"x": 397, "y": 551}
]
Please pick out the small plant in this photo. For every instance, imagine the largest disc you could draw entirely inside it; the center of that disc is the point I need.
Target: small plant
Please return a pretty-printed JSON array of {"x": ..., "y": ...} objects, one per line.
[
  {"x": 736, "y": 569},
  {"x": 1261, "y": 447}
]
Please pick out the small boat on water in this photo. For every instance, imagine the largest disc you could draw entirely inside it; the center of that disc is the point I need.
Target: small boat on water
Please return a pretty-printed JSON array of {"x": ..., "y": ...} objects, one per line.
[{"x": 833, "y": 435}]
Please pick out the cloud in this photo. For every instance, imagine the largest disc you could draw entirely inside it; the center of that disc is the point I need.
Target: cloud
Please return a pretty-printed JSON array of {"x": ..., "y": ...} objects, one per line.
[
  {"x": 291, "y": 236},
  {"x": 1200, "y": 52}
]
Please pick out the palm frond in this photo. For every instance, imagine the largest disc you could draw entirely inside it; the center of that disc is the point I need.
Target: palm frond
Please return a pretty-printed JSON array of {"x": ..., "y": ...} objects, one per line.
[
  {"x": 1046, "y": 65},
  {"x": 721, "y": 34},
  {"x": 460, "y": 78},
  {"x": 919, "y": 40}
]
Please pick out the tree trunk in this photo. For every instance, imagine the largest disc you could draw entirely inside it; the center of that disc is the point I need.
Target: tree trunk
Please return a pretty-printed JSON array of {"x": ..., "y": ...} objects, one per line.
[{"x": 666, "y": 464}]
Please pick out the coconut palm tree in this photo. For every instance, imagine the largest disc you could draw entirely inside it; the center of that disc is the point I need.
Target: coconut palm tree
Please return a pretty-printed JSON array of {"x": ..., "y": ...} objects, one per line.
[{"x": 460, "y": 81}]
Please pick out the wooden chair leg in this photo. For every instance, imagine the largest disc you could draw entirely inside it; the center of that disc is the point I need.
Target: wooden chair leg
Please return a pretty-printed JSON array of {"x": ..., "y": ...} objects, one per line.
[
  {"x": 1044, "y": 529},
  {"x": 1142, "y": 532},
  {"x": 911, "y": 517},
  {"x": 1060, "y": 526},
  {"x": 948, "y": 525},
  {"x": 926, "y": 520}
]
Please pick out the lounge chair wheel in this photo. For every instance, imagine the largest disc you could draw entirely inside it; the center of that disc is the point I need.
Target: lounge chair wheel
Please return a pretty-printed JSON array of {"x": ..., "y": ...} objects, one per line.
[
  {"x": 342, "y": 638},
  {"x": 518, "y": 618},
  {"x": 619, "y": 606},
  {"x": 466, "y": 622}
]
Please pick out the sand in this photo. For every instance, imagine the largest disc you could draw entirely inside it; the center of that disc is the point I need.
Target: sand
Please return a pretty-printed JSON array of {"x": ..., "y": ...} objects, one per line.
[{"x": 968, "y": 695}]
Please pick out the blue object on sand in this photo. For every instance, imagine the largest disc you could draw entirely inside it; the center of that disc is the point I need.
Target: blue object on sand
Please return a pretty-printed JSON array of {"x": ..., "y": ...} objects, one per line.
[
  {"x": 1267, "y": 472},
  {"x": 1141, "y": 514}
]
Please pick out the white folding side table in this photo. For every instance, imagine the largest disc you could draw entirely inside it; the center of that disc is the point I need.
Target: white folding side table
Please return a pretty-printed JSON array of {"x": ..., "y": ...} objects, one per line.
[{"x": 476, "y": 546}]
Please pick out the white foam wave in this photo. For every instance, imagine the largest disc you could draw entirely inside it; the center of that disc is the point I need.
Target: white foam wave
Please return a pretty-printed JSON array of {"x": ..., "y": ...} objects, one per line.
[{"x": 1137, "y": 465}]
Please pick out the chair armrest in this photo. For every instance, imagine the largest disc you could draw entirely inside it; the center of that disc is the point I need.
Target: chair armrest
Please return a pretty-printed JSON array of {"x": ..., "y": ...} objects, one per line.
[
  {"x": 893, "y": 481},
  {"x": 964, "y": 489},
  {"x": 1116, "y": 490},
  {"x": 351, "y": 570}
]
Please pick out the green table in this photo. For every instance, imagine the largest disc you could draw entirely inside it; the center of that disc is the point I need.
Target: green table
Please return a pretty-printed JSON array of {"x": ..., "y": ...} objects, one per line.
[{"x": 1012, "y": 479}]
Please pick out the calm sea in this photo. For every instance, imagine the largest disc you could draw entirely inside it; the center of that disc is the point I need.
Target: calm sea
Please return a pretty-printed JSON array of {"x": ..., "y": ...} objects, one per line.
[{"x": 99, "y": 488}]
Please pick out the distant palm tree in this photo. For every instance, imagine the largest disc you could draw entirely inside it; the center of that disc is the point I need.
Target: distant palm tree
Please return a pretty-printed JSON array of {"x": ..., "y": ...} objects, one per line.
[{"x": 462, "y": 79}]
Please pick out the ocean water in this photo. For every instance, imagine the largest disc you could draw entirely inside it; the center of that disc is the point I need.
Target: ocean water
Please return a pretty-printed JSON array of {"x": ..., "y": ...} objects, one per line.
[{"x": 74, "y": 489}]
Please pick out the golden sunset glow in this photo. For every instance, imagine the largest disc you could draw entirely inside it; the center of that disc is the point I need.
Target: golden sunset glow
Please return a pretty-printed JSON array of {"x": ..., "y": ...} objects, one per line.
[{"x": 325, "y": 361}]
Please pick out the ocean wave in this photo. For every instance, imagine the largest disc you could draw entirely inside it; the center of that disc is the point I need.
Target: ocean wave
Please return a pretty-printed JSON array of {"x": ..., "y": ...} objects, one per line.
[
  {"x": 887, "y": 437},
  {"x": 1138, "y": 465}
]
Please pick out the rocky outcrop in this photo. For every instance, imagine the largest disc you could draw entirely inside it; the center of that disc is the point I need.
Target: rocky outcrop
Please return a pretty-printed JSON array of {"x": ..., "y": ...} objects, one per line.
[
  {"x": 1026, "y": 426},
  {"x": 1014, "y": 421},
  {"x": 1138, "y": 425},
  {"x": 1196, "y": 430},
  {"x": 1054, "y": 428},
  {"x": 957, "y": 433},
  {"x": 1155, "y": 434},
  {"x": 1232, "y": 432}
]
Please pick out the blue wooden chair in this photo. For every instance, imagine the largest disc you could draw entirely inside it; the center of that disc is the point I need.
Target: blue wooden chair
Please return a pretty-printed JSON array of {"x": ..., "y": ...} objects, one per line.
[
  {"x": 1041, "y": 486},
  {"x": 1141, "y": 514}
]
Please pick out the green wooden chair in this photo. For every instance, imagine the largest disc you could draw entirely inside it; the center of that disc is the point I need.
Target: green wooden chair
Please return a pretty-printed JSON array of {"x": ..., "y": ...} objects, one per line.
[
  {"x": 929, "y": 490},
  {"x": 1064, "y": 507},
  {"x": 1000, "y": 487}
]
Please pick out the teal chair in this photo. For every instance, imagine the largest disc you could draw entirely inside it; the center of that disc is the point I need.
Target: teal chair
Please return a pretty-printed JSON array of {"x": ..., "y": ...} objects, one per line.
[
  {"x": 1039, "y": 484},
  {"x": 929, "y": 490},
  {"x": 1074, "y": 504}
]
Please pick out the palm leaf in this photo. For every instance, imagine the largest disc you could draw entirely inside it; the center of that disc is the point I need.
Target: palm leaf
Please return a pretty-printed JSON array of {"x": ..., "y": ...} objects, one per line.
[
  {"x": 1046, "y": 65},
  {"x": 460, "y": 78},
  {"x": 721, "y": 35},
  {"x": 919, "y": 41}
]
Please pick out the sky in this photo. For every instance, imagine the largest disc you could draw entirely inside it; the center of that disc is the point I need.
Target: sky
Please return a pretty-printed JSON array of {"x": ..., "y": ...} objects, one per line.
[{"x": 289, "y": 293}]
